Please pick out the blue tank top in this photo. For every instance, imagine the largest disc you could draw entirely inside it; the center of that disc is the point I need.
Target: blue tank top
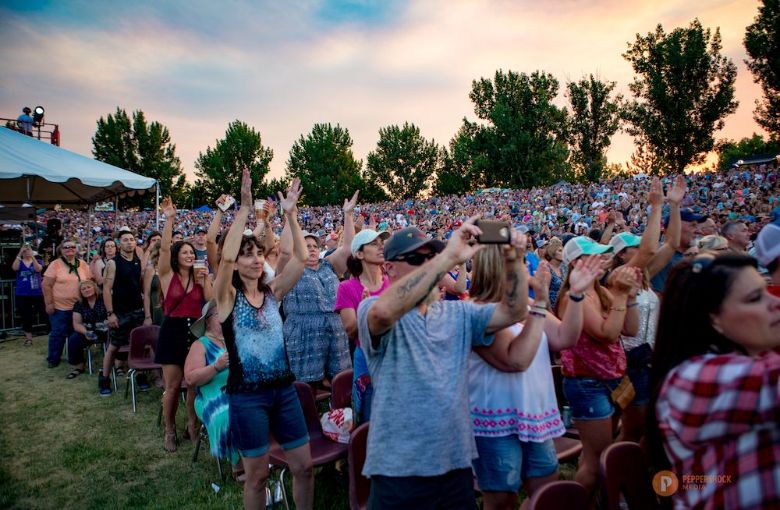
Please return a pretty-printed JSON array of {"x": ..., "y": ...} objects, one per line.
[{"x": 255, "y": 343}]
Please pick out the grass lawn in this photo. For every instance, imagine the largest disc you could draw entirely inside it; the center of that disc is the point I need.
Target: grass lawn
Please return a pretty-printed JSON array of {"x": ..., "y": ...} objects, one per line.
[{"x": 63, "y": 446}]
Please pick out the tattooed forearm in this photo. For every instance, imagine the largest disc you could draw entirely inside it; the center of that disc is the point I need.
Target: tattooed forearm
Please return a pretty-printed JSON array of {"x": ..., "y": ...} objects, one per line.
[
  {"x": 409, "y": 285},
  {"x": 432, "y": 286},
  {"x": 512, "y": 293}
]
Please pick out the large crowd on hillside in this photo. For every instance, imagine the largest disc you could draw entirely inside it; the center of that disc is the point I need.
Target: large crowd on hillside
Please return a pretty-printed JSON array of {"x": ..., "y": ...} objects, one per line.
[{"x": 657, "y": 301}]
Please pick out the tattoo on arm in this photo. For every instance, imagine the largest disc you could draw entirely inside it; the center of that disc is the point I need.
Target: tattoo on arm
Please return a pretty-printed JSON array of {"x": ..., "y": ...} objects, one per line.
[
  {"x": 511, "y": 293},
  {"x": 408, "y": 286}
]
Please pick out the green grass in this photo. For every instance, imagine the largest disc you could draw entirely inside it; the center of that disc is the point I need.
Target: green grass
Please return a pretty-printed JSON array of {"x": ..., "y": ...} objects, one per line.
[{"x": 64, "y": 446}]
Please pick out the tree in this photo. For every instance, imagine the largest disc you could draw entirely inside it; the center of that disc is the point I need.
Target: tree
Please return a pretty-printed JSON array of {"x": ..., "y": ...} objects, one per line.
[
  {"x": 141, "y": 147},
  {"x": 324, "y": 162},
  {"x": 219, "y": 169},
  {"x": 403, "y": 161},
  {"x": 457, "y": 174},
  {"x": 271, "y": 188},
  {"x": 683, "y": 89},
  {"x": 644, "y": 161},
  {"x": 762, "y": 42},
  {"x": 730, "y": 151},
  {"x": 595, "y": 118},
  {"x": 523, "y": 143}
]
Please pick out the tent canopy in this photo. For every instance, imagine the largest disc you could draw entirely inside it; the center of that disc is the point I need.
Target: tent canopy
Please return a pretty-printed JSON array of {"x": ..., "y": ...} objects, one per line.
[{"x": 42, "y": 174}]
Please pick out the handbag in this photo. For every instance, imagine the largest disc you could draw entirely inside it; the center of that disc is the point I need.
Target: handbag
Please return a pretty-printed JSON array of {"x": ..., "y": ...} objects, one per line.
[{"x": 624, "y": 393}]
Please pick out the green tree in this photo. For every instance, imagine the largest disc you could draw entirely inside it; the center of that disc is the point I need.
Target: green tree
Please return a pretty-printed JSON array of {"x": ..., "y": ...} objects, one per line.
[
  {"x": 219, "y": 169},
  {"x": 730, "y": 151},
  {"x": 270, "y": 188},
  {"x": 595, "y": 118},
  {"x": 141, "y": 147},
  {"x": 457, "y": 174},
  {"x": 403, "y": 162},
  {"x": 644, "y": 161},
  {"x": 324, "y": 162},
  {"x": 523, "y": 141},
  {"x": 762, "y": 42},
  {"x": 683, "y": 89}
]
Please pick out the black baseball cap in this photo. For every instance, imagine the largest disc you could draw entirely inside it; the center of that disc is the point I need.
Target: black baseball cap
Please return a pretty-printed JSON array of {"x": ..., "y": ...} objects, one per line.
[{"x": 408, "y": 240}]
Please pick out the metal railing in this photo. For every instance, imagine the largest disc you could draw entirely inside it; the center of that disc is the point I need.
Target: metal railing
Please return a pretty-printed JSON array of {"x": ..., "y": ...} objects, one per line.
[{"x": 9, "y": 321}]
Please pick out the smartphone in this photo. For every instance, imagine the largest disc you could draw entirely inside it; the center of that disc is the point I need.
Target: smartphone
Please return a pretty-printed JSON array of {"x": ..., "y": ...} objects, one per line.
[
  {"x": 225, "y": 204},
  {"x": 494, "y": 232}
]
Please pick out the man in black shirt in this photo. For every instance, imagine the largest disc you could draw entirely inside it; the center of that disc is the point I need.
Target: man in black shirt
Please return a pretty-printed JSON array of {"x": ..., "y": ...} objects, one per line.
[{"x": 123, "y": 297}]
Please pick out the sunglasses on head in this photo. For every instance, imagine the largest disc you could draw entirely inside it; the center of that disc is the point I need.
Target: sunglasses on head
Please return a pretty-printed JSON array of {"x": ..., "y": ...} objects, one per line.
[{"x": 415, "y": 258}]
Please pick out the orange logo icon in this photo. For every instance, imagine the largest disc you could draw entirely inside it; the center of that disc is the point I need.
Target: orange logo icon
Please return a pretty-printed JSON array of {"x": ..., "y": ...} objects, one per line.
[{"x": 665, "y": 483}]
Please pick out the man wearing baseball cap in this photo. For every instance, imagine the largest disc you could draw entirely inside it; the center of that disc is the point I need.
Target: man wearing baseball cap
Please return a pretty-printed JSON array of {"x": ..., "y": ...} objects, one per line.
[
  {"x": 768, "y": 253},
  {"x": 417, "y": 348},
  {"x": 199, "y": 242}
]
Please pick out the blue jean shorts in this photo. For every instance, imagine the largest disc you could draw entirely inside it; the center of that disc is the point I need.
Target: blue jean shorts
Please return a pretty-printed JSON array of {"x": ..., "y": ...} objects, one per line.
[
  {"x": 638, "y": 370},
  {"x": 253, "y": 415},
  {"x": 590, "y": 399},
  {"x": 504, "y": 461}
]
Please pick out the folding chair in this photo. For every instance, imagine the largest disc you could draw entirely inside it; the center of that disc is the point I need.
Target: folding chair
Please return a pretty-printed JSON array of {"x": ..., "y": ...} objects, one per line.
[
  {"x": 359, "y": 485},
  {"x": 203, "y": 434},
  {"x": 560, "y": 494},
  {"x": 625, "y": 472},
  {"x": 143, "y": 342},
  {"x": 567, "y": 449},
  {"x": 341, "y": 390}
]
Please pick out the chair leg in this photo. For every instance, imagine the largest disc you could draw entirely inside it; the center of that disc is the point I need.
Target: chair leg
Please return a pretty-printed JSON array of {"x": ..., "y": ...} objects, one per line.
[
  {"x": 128, "y": 378},
  {"x": 219, "y": 468},
  {"x": 284, "y": 488},
  {"x": 89, "y": 359},
  {"x": 159, "y": 413},
  {"x": 113, "y": 376},
  {"x": 197, "y": 445}
]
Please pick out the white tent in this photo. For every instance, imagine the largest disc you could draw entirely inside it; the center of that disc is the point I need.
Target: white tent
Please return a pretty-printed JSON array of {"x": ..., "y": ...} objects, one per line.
[{"x": 44, "y": 175}]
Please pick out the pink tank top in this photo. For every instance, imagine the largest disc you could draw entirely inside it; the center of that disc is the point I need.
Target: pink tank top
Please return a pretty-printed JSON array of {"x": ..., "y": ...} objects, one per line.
[
  {"x": 179, "y": 304},
  {"x": 594, "y": 359}
]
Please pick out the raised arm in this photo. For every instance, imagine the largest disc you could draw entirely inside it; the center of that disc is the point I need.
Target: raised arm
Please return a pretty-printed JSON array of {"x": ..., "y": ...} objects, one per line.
[
  {"x": 292, "y": 271},
  {"x": 564, "y": 333},
  {"x": 285, "y": 248},
  {"x": 223, "y": 288},
  {"x": 414, "y": 288},
  {"x": 672, "y": 241},
  {"x": 164, "y": 263},
  {"x": 338, "y": 259},
  {"x": 513, "y": 306},
  {"x": 211, "y": 236},
  {"x": 655, "y": 196}
]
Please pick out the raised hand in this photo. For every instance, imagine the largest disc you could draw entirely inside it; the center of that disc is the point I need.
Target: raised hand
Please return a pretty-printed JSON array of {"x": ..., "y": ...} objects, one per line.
[
  {"x": 459, "y": 248},
  {"x": 655, "y": 195},
  {"x": 517, "y": 246},
  {"x": 676, "y": 194},
  {"x": 349, "y": 205},
  {"x": 289, "y": 203},
  {"x": 540, "y": 282},
  {"x": 246, "y": 188},
  {"x": 269, "y": 208},
  {"x": 583, "y": 273},
  {"x": 167, "y": 207}
]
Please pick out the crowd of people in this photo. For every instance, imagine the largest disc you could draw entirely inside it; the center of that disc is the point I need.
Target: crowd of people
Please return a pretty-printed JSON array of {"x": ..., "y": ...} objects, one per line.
[{"x": 658, "y": 298}]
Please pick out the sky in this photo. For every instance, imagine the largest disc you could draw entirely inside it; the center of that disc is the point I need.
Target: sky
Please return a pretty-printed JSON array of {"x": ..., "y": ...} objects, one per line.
[{"x": 281, "y": 67}]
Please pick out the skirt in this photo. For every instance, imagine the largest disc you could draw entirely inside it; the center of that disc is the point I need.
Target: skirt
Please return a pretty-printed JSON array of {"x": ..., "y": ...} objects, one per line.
[{"x": 174, "y": 341}]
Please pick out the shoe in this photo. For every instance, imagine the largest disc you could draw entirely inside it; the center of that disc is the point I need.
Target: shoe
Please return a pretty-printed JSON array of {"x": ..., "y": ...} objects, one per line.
[
  {"x": 104, "y": 386},
  {"x": 75, "y": 373},
  {"x": 169, "y": 443},
  {"x": 143, "y": 382},
  {"x": 54, "y": 364},
  {"x": 28, "y": 343}
]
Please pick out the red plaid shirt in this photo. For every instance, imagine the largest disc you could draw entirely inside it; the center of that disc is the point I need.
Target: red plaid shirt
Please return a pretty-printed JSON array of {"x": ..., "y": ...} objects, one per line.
[{"x": 719, "y": 418}]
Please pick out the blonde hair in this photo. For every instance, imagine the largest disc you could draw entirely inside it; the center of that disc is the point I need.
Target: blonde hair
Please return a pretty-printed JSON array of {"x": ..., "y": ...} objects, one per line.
[
  {"x": 487, "y": 275},
  {"x": 551, "y": 248},
  {"x": 713, "y": 242}
]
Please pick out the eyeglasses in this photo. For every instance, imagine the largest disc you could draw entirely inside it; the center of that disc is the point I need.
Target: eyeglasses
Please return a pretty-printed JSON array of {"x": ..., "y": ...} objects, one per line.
[
  {"x": 415, "y": 258},
  {"x": 69, "y": 247}
]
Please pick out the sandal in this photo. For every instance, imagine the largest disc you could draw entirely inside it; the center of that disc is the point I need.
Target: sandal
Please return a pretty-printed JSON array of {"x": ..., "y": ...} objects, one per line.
[
  {"x": 120, "y": 372},
  {"x": 169, "y": 443},
  {"x": 75, "y": 373},
  {"x": 28, "y": 342}
]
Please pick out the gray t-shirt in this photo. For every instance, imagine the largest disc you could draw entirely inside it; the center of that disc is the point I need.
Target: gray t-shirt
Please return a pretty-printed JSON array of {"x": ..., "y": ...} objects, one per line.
[{"x": 420, "y": 423}]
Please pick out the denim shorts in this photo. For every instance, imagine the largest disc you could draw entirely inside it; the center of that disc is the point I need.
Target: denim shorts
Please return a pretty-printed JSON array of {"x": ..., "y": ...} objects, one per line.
[
  {"x": 253, "y": 415},
  {"x": 638, "y": 370},
  {"x": 504, "y": 461},
  {"x": 590, "y": 399}
]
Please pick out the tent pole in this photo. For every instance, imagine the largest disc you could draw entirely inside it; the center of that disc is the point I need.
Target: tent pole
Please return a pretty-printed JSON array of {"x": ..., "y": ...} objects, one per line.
[{"x": 157, "y": 207}]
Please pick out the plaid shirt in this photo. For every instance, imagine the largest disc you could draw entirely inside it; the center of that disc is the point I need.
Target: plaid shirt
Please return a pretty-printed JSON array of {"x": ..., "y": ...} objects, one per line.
[{"x": 718, "y": 415}]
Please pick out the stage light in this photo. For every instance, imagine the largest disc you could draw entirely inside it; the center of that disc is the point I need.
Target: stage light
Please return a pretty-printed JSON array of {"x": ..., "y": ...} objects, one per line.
[{"x": 38, "y": 114}]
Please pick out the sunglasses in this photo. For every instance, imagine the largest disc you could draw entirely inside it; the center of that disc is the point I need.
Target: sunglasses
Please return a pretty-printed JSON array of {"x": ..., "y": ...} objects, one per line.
[
  {"x": 415, "y": 258},
  {"x": 69, "y": 247}
]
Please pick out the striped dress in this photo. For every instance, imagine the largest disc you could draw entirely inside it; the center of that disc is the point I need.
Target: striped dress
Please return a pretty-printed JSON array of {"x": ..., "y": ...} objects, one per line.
[{"x": 211, "y": 406}]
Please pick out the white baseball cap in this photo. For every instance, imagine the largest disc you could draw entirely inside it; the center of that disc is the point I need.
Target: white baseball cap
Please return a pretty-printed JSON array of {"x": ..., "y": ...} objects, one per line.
[
  {"x": 768, "y": 244},
  {"x": 364, "y": 237}
]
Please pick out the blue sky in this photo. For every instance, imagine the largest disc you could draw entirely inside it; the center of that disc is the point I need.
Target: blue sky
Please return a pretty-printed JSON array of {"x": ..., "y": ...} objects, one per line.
[{"x": 283, "y": 66}]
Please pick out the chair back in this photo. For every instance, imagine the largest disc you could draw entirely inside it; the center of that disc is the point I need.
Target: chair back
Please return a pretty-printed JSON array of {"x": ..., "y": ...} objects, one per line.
[
  {"x": 309, "y": 406},
  {"x": 341, "y": 390},
  {"x": 359, "y": 485},
  {"x": 624, "y": 470},
  {"x": 560, "y": 494},
  {"x": 141, "y": 339}
]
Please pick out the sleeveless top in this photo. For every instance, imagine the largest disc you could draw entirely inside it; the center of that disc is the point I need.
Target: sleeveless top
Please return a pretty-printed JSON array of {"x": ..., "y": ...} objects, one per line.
[
  {"x": 521, "y": 404},
  {"x": 594, "y": 359},
  {"x": 649, "y": 306},
  {"x": 256, "y": 347},
  {"x": 28, "y": 280},
  {"x": 127, "y": 292},
  {"x": 179, "y": 304}
]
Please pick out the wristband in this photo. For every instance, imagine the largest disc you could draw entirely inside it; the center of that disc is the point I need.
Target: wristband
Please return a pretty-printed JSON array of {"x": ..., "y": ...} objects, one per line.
[
  {"x": 632, "y": 305},
  {"x": 617, "y": 309},
  {"x": 576, "y": 299},
  {"x": 109, "y": 312},
  {"x": 537, "y": 314}
]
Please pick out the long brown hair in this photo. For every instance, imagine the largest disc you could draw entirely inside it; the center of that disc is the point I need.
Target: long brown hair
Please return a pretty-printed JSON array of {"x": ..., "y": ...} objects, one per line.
[
  {"x": 604, "y": 299},
  {"x": 487, "y": 275}
]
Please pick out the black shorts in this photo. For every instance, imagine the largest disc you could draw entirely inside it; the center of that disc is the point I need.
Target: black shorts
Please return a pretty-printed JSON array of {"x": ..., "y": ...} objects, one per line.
[
  {"x": 174, "y": 341},
  {"x": 127, "y": 322},
  {"x": 453, "y": 490}
]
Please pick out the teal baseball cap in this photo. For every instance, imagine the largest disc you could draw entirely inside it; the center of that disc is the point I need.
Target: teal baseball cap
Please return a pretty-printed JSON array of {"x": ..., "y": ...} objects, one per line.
[
  {"x": 582, "y": 245},
  {"x": 624, "y": 240}
]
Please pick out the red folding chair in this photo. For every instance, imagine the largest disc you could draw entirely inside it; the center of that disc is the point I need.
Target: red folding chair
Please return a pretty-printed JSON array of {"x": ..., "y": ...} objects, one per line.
[
  {"x": 359, "y": 485},
  {"x": 624, "y": 471},
  {"x": 140, "y": 358},
  {"x": 567, "y": 449},
  {"x": 341, "y": 390},
  {"x": 560, "y": 494}
]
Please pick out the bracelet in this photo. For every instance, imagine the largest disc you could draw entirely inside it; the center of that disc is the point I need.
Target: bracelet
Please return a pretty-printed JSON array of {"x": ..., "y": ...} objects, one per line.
[
  {"x": 617, "y": 309},
  {"x": 109, "y": 312},
  {"x": 537, "y": 314},
  {"x": 575, "y": 298},
  {"x": 632, "y": 305}
]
